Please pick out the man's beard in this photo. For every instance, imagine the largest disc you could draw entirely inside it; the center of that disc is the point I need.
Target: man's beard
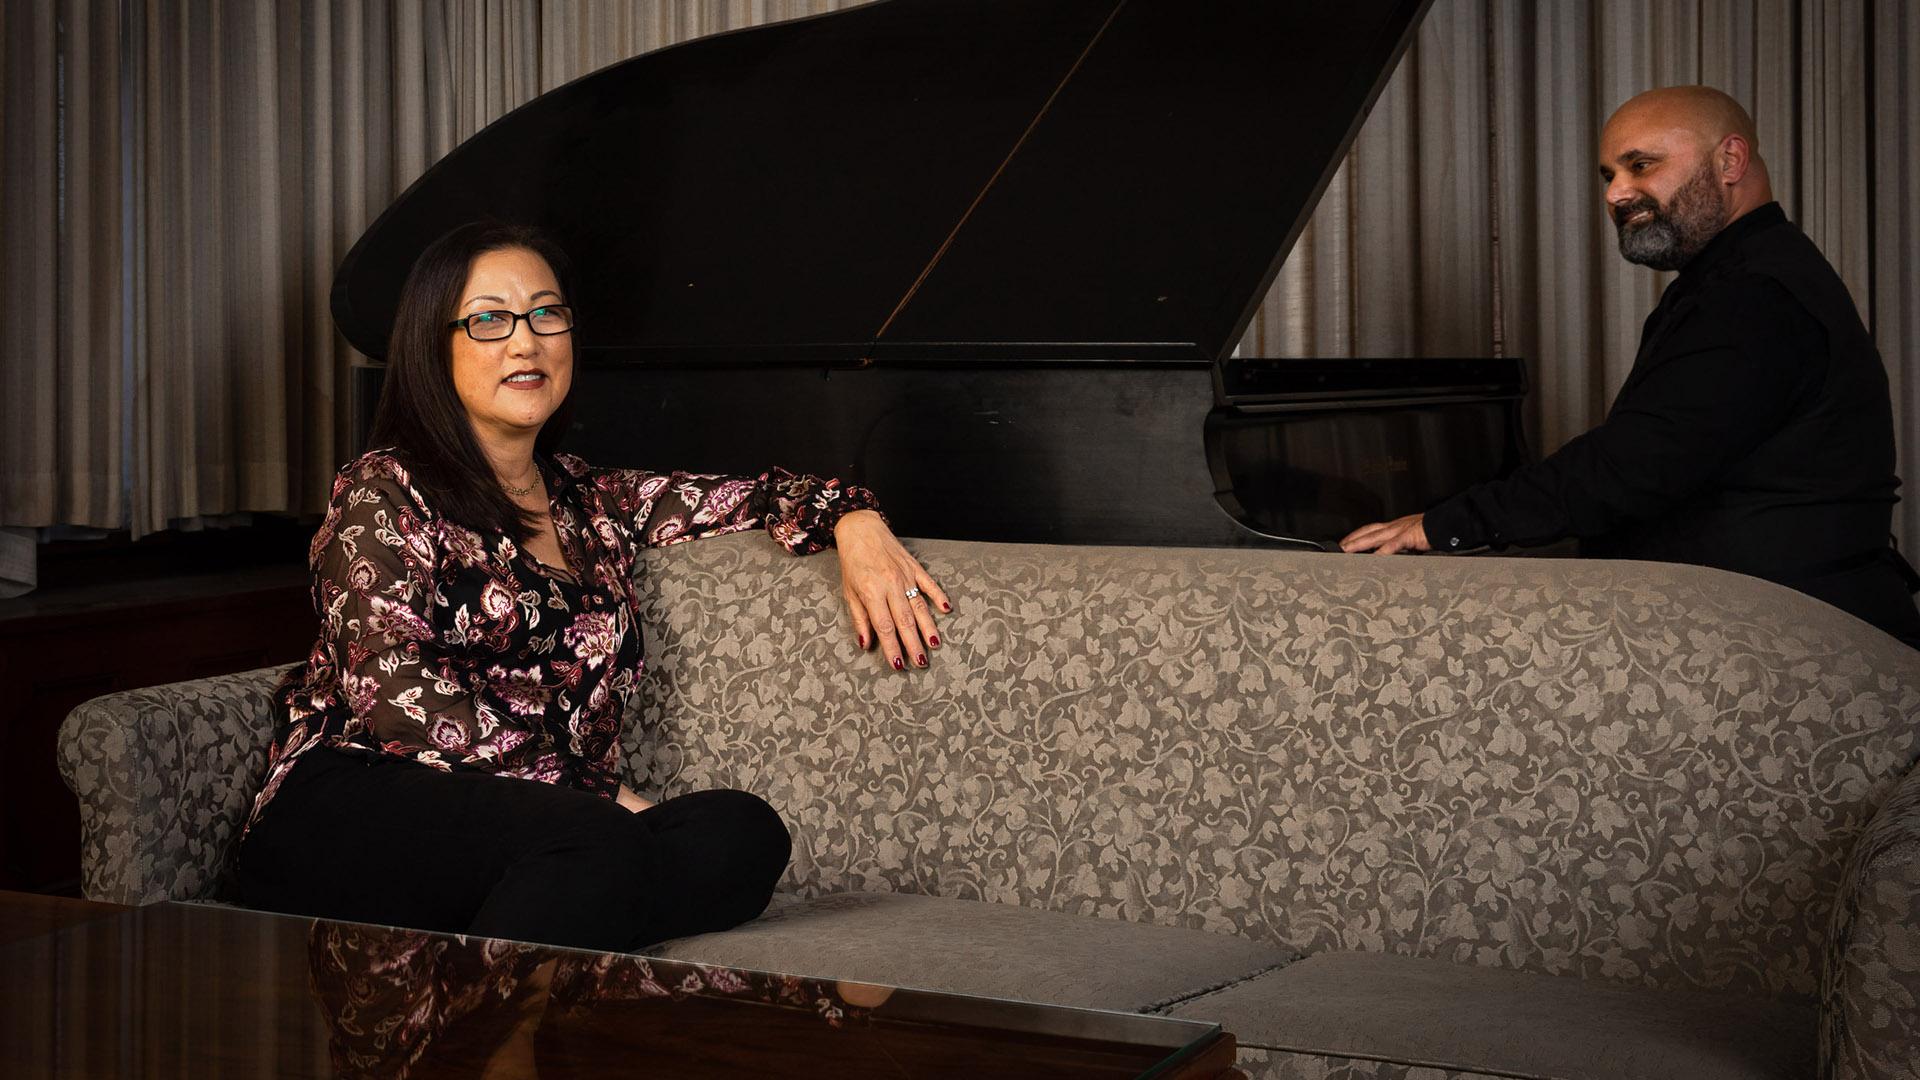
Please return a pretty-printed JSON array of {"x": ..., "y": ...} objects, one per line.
[{"x": 1675, "y": 234}]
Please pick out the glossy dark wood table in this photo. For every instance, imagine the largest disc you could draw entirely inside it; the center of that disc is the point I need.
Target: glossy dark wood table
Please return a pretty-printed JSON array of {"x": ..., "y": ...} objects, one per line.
[{"x": 91, "y": 989}]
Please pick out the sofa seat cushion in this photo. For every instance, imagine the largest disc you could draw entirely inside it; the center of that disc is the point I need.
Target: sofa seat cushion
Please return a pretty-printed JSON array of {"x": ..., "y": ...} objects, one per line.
[
  {"x": 1401, "y": 1012},
  {"x": 992, "y": 950}
]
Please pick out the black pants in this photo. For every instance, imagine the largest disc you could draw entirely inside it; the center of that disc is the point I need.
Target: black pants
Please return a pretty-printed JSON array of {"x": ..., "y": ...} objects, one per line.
[{"x": 387, "y": 840}]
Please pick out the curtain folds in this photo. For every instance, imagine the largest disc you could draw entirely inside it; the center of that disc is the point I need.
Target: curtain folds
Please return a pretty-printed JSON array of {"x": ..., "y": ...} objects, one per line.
[
  {"x": 61, "y": 384},
  {"x": 1894, "y": 235},
  {"x": 181, "y": 180}
]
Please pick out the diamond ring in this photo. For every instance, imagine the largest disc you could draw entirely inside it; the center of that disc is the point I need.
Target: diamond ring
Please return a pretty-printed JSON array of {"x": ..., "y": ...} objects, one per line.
[{"x": 912, "y": 591}]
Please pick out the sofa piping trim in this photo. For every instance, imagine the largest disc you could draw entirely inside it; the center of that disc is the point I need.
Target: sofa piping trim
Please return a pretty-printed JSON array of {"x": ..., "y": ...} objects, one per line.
[
  {"x": 1344, "y": 1055},
  {"x": 1181, "y": 999},
  {"x": 1413, "y": 1063}
]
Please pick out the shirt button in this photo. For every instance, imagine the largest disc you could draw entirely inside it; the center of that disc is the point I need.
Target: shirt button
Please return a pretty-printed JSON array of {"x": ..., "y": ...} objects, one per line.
[{"x": 1453, "y": 542}]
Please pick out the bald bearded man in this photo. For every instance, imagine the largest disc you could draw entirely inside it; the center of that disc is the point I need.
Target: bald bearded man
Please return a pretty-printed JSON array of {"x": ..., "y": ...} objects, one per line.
[{"x": 1755, "y": 430}]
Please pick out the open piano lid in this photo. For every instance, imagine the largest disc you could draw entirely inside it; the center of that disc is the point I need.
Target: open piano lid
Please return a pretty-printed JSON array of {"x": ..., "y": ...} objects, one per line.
[{"x": 921, "y": 180}]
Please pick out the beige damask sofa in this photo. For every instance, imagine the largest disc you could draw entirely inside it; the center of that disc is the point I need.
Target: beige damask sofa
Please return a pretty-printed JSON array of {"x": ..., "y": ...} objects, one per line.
[{"x": 1380, "y": 817}]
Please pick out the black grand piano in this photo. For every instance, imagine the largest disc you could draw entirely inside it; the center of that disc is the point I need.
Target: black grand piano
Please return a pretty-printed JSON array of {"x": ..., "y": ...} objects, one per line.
[{"x": 988, "y": 257}]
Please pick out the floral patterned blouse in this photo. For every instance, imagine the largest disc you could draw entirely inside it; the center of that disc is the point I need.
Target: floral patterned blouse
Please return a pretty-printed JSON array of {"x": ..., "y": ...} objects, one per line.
[{"x": 461, "y": 650}]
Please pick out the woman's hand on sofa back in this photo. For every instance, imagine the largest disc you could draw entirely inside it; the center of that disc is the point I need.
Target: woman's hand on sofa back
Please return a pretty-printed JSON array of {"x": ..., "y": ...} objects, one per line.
[{"x": 888, "y": 593}]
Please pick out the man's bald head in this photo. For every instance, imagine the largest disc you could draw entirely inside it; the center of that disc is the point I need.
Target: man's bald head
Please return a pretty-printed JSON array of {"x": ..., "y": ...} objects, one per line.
[
  {"x": 1705, "y": 112},
  {"x": 1679, "y": 163}
]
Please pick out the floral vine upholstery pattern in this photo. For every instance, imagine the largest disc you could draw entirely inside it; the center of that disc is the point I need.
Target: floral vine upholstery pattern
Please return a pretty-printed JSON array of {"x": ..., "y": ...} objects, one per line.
[
  {"x": 1870, "y": 992},
  {"x": 1641, "y": 773},
  {"x": 165, "y": 776},
  {"x": 1629, "y": 771}
]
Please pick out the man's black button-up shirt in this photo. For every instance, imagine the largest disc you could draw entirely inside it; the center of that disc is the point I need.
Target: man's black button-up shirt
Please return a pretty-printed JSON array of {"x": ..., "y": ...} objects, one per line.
[{"x": 1754, "y": 432}]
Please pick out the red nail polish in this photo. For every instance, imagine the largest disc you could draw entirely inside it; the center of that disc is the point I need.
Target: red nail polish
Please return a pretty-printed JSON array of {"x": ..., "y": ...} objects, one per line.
[
  {"x": 944, "y": 606},
  {"x": 897, "y": 665},
  {"x": 934, "y": 640},
  {"x": 921, "y": 659},
  {"x": 863, "y": 641}
]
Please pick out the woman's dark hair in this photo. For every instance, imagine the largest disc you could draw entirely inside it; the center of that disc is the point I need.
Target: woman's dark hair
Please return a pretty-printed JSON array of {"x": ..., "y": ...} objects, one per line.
[{"x": 419, "y": 413}]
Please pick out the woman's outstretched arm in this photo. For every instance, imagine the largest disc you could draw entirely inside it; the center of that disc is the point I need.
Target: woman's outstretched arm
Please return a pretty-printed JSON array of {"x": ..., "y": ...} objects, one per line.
[
  {"x": 797, "y": 509},
  {"x": 890, "y": 597}
]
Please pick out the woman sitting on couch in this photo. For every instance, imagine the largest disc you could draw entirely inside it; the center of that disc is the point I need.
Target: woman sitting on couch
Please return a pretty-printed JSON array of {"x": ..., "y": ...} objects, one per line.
[{"x": 448, "y": 758}]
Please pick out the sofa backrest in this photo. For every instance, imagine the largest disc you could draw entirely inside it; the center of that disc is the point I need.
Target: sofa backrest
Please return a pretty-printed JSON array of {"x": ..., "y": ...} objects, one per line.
[{"x": 1629, "y": 771}]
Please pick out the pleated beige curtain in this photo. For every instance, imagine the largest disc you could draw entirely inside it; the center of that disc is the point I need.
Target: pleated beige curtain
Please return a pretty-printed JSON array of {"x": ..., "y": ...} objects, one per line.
[
  {"x": 262, "y": 137},
  {"x": 1894, "y": 235},
  {"x": 1467, "y": 219},
  {"x": 61, "y": 384}
]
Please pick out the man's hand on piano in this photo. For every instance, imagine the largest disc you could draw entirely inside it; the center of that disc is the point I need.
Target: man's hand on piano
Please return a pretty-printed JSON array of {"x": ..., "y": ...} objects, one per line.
[
  {"x": 889, "y": 594},
  {"x": 1389, "y": 537}
]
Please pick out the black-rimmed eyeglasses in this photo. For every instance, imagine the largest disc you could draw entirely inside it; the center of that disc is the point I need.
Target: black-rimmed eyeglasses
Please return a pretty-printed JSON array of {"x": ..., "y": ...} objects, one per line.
[{"x": 495, "y": 325}]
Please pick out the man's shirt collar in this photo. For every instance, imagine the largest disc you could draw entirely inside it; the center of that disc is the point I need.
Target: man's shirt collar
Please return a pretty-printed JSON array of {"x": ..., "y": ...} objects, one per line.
[{"x": 1729, "y": 238}]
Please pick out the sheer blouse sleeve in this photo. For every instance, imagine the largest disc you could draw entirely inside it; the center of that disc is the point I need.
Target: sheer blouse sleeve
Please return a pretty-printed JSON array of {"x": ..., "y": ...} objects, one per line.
[
  {"x": 373, "y": 588},
  {"x": 797, "y": 509}
]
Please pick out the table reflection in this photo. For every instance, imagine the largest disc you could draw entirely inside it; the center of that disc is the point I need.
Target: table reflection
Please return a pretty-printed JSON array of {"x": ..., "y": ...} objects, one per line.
[
  {"x": 406, "y": 1003},
  {"x": 214, "y": 992}
]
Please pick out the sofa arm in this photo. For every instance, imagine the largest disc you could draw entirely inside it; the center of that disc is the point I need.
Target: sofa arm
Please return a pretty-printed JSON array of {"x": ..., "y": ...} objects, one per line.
[
  {"x": 165, "y": 776},
  {"x": 1870, "y": 986}
]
